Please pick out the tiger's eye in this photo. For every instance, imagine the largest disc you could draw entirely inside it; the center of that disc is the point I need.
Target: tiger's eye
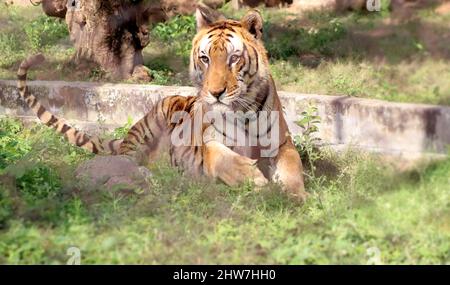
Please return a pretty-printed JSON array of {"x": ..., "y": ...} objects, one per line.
[
  {"x": 234, "y": 58},
  {"x": 205, "y": 59}
]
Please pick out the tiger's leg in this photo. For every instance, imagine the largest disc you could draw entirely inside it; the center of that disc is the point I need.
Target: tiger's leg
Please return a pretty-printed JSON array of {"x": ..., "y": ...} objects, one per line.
[
  {"x": 221, "y": 162},
  {"x": 143, "y": 139},
  {"x": 288, "y": 170},
  {"x": 147, "y": 137}
]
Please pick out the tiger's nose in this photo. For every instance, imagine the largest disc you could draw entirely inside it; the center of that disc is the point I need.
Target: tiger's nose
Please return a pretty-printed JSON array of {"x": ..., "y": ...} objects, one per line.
[{"x": 217, "y": 93}]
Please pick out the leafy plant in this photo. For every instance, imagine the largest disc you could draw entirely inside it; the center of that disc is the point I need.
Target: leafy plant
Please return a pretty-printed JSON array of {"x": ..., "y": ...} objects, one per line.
[
  {"x": 121, "y": 132},
  {"x": 12, "y": 147},
  {"x": 44, "y": 31},
  {"x": 10, "y": 49},
  {"x": 307, "y": 142},
  {"x": 39, "y": 182},
  {"x": 178, "y": 32},
  {"x": 178, "y": 27}
]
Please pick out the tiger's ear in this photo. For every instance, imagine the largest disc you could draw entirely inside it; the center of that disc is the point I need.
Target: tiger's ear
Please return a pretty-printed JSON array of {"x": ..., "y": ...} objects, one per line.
[
  {"x": 206, "y": 16},
  {"x": 253, "y": 22}
]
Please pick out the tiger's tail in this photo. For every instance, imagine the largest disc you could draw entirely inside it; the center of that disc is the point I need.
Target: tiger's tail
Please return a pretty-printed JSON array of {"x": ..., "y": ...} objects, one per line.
[{"x": 74, "y": 136}]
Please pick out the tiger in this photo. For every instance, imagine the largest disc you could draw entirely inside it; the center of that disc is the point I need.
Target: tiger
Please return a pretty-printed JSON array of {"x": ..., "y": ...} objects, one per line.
[{"x": 229, "y": 67}]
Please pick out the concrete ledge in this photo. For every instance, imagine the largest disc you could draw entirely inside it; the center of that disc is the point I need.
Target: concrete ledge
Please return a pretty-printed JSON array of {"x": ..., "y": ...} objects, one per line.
[{"x": 373, "y": 125}]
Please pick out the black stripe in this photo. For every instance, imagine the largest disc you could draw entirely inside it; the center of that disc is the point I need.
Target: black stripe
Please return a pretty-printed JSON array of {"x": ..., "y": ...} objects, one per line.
[
  {"x": 26, "y": 94},
  {"x": 33, "y": 103},
  {"x": 195, "y": 64},
  {"x": 264, "y": 91},
  {"x": 131, "y": 133},
  {"x": 111, "y": 145},
  {"x": 218, "y": 27},
  {"x": 22, "y": 77},
  {"x": 242, "y": 65},
  {"x": 22, "y": 89},
  {"x": 248, "y": 60},
  {"x": 94, "y": 148},
  {"x": 250, "y": 86},
  {"x": 147, "y": 125},
  {"x": 125, "y": 147},
  {"x": 158, "y": 123},
  {"x": 40, "y": 111},
  {"x": 52, "y": 120},
  {"x": 65, "y": 128},
  {"x": 257, "y": 62},
  {"x": 176, "y": 106},
  {"x": 81, "y": 141},
  {"x": 268, "y": 129},
  {"x": 76, "y": 136},
  {"x": 137, "y": 130}
]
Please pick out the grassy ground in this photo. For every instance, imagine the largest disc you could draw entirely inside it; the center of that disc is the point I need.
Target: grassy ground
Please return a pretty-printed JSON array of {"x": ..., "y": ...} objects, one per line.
[
  {"x": 361, "y": 210},
  {"x": 363, "y": 55}
]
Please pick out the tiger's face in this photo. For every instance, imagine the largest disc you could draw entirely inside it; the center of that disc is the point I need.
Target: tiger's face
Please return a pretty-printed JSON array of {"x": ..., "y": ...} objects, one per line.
[{"x": 228, "y": 60}]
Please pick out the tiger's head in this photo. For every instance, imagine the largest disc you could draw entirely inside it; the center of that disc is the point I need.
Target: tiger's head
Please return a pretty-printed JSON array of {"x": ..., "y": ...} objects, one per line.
[{"x": 228, "y": 61}]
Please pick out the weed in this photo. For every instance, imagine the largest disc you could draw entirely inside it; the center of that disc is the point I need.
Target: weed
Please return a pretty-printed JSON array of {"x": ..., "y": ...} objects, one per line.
[
  {"x": 308, "y": 141},
  {"x": 45, "y": 31},
  {"x": 178, "y": 32},
  {"x": 122, "y": 132}
]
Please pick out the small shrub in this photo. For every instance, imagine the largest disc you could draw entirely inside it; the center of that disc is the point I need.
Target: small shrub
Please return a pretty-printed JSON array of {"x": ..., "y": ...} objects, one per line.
[
  {"x": 122, "y": 132},
  {"x": 45, "y": 31},
  {"x": 178, "y": 32},
  {"x": 178, "y": 27},
  {"x": 307, "y": 142},
  {"x": 10, "y": 48},
  {"x": 12, "y": 146},
  {"x": 6, "y": 207},
  {"x": 39, "y": 182}
]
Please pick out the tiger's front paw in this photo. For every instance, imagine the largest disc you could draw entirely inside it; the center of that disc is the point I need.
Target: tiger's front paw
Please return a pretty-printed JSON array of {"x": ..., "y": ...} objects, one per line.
[{"x": 239, "y": 169}]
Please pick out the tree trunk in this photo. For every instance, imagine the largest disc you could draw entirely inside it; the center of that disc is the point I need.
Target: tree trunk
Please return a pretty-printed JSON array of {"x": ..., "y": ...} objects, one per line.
[{"x": 113, "y": 33}]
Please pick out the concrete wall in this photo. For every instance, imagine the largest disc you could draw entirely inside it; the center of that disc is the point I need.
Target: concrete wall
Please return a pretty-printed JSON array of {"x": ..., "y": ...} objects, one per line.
[{"x": 391, "y": 128}]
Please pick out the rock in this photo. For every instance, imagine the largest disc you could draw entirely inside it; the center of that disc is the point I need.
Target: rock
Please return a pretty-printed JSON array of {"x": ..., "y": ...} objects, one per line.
[{"x": 118, "y": 173}]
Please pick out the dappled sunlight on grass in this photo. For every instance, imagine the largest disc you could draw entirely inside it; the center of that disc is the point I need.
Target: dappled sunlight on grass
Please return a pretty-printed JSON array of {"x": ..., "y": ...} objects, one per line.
[{"x": 363, "y": 203}]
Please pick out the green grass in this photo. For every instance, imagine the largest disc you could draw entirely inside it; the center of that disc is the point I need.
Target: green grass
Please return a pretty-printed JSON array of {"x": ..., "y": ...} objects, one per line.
[
  {"x": 359, "y": 204},
  {"x": 25, "y": 31}
]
